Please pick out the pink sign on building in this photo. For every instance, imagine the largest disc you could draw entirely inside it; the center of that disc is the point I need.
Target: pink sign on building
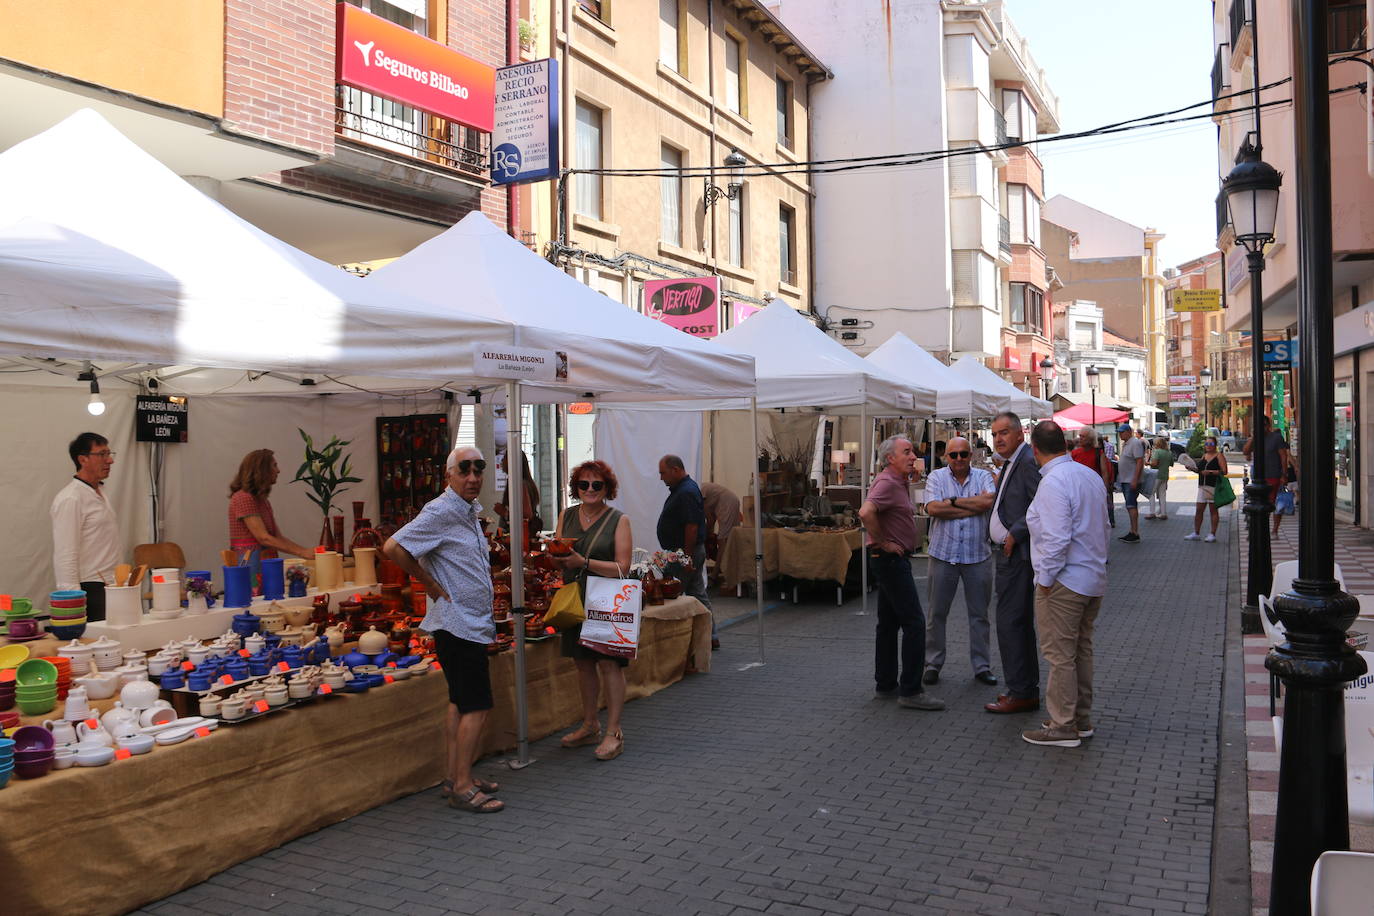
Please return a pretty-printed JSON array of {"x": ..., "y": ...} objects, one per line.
[
  {"x": 691, "y": 305},
  {"x": 740, "y": 311}
]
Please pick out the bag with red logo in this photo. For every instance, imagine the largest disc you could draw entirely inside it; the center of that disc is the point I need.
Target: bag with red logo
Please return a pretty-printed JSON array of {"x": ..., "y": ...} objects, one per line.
[{"x": 613, "y": 607}]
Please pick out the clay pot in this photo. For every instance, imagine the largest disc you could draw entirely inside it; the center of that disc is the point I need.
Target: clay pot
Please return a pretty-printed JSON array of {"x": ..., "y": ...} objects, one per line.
[{"x": 392, "y": 600}]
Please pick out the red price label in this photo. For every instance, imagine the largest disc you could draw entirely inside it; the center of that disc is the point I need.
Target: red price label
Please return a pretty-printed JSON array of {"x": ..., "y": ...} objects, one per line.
[
  {"x": 415, "y": 643},
  {"x": 159, "y": 580},
  {"x": 187, "y": 666},
  {"x": 391, "y": 664},
  {"x": 325, "y": 688},
  {"x": 388, "y": 678},
  {"x": 283, "y": 666},
  {"x": 226, "y": 679},
  {"x": 260, "y": 706},
  {"x": 123, "y": 754},
  {"x": 92, "y": 723},
  {"x": 202, "y": 732},
  {"x": 245, "y": 653},
  {"x": 436, "y": 666},
  {"x": 320, "y": 549},
  {"x": 6, "y": 603}
]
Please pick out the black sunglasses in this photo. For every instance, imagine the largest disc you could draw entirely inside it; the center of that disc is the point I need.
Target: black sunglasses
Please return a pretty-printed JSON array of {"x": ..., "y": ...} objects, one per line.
[
  {"x": 596, "y": 485},
  {"x": 469, "y": 464},
  {"x": 958, "y": 454}
]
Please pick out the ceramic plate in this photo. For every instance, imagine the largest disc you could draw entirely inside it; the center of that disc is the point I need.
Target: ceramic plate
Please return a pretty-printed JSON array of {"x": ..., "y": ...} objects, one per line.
[{"x": 181, "y": 733}]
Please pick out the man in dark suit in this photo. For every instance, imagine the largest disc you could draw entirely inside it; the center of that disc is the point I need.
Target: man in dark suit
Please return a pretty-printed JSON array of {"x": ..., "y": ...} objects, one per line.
[{"x": 1015, "y": 581}]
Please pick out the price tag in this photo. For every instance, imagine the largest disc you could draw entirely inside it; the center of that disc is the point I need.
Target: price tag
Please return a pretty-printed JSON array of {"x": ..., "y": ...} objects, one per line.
[
  {"x": 245, "y": 653},
  {"x": 123, "y": 754},
  {"x": 388, "y": 679},
  {"x": 159, "y": 580},
  {"x": 415, "y": 643},
  {"x": 226, "y": 680},
  {"x": 283, "y": 666},
  {"x": 188, "y": 666},
  {"x": 436, "y": 666},
  {"x": 391, "y": 664},
  {"x": 260, "y": 706},
  {"x": 325, "y": 688},
  {"x": 202, "y": 732},
  {"x": 92, "y": 723},
  {"x": 320, "y": 548},
  {"x": 6, "y": 603}
]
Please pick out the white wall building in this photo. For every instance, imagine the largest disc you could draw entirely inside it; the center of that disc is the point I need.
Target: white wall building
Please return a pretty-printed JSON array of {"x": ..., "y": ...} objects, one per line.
[
  {"x": 1081, "y": 341},
  {"x": 924, "y": 249}
]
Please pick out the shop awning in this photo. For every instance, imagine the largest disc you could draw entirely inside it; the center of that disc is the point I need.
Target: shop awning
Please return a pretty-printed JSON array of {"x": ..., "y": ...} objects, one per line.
[
  {"x": 1084, "y": 415},
  {"x": 956, "y": 395}
]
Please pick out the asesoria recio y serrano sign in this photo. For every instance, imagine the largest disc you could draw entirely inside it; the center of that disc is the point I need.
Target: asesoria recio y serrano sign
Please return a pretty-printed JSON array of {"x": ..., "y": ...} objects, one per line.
[{"x": 383, "y": 57}]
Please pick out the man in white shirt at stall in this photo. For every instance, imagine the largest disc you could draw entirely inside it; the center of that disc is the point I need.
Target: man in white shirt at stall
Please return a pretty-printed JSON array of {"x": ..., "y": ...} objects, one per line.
[
  {"x": 85, "y": 532},
  {"x": 1068, "y": 537}
]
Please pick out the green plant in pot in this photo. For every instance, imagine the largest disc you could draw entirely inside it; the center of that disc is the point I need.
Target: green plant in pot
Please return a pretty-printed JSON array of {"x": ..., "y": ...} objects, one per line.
[{"x": 325, "y": 471}]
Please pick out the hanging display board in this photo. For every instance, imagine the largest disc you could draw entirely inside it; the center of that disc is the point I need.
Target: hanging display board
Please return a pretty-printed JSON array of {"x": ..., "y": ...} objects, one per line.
[{"x": 161, "y": 418}]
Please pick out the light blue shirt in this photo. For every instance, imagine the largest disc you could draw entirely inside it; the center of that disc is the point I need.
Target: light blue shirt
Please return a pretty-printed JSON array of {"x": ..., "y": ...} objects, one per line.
[
  {"x": 447, "y": 540},
  {"x": 1068, "y": 528},
  {"x": 958, "y": 540}
]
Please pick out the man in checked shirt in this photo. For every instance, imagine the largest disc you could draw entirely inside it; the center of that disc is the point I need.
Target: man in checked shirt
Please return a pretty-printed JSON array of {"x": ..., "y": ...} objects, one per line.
[{"x": 958, "y": 500}]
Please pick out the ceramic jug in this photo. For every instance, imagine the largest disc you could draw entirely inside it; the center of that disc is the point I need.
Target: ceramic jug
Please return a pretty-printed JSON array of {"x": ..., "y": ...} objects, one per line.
[
  {"x": 77, "y": 707},
  {"x": 93, "y": 737},
  {"x": 63, "y": 732}
]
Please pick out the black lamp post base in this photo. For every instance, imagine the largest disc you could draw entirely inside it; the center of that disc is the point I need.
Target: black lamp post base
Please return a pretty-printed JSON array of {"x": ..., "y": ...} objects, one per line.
[{"x": 1259, "y": 573}]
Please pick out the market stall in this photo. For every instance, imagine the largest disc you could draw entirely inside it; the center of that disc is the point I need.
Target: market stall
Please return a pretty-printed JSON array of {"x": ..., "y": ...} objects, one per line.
[
  {"x": 957, "y": 396},
  {"x": 1012, "y": 398}
]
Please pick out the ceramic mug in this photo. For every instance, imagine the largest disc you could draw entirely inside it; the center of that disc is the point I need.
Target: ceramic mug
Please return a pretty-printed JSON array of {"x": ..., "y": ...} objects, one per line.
[
  {"x": 232, "y": 708},
  {"x": 23, "y": 628}
]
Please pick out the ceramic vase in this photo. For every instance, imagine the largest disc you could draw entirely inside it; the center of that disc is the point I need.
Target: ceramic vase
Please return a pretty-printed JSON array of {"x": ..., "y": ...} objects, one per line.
[
  {"x": 196, "y": 604},
  {"x": 295, "y": 588}
]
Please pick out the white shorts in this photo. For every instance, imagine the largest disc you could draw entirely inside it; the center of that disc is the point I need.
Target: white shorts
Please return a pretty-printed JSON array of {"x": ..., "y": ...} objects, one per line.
[{"x": 1206, "y": 494}]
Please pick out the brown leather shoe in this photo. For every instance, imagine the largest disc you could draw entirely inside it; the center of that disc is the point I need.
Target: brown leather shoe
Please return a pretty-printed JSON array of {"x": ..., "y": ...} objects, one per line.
[{"x": 1007, "y": 704}]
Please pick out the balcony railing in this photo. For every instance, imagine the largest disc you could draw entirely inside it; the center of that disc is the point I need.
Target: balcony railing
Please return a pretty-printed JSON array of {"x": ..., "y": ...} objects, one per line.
[
  {"x": 1221, "y": 75},
  {"x": 999, "y": 121},
  {"x": 1004, "y": 233},
  {"x": 1346, "y": 26},
  {"x": 450, "y": 146},
  {"x": 1242, "y": 14}
]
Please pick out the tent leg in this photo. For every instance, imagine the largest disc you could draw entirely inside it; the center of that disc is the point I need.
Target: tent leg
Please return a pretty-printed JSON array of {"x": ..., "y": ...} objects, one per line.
[
  {"x": 758, "y": 522},
  {"x": 516, "y": 478},
  {"x": 866, "y": 443}
]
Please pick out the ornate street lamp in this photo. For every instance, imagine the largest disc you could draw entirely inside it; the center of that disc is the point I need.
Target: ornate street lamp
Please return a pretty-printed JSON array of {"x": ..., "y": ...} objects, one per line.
[
  {"x": 1091, "y": 374},
  {"x": 1046, "y": 376},
  {"x": 1205, "y": 378},
  {"x": 1252, "y": 201},
  {"x": 735, "y": 162},
  {"x": 1314, "y": 661}
]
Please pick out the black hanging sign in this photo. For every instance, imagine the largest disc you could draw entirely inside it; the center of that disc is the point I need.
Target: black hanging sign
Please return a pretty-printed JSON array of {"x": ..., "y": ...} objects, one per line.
[{"x": 161, "y": 418}]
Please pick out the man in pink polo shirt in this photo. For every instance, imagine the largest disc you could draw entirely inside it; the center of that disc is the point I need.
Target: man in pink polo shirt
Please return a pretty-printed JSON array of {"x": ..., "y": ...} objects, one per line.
[{"x": 889, "y": 518}]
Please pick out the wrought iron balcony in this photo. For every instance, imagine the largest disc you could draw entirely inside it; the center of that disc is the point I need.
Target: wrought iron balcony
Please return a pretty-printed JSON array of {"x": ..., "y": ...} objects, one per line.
[
  {"x": 1004, "y": 233},
  {"x": 1223, "y": 216},
  {"x": 1242, "y": 13},
  {"x": 999, "y": 120},
  {"x": 1221, "y": 77},
  {"x": 444, "y": 144}
]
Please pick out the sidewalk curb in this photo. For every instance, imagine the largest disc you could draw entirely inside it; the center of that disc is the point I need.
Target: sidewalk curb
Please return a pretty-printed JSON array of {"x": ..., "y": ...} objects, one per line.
[{"x": 1231, "y": 889}]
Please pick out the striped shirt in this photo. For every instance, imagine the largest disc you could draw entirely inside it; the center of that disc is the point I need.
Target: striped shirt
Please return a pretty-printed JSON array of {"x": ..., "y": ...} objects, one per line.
[
  {"x": 958, "y": 540},
  {"x": 447, "y": 540}
]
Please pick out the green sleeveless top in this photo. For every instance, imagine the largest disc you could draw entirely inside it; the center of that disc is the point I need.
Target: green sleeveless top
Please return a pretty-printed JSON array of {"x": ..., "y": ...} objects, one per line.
[{"x": 600, "y": 547}]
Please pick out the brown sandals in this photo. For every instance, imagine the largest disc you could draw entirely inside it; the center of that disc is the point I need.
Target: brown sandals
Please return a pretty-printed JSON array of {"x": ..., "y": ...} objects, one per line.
[
  {"x": 476, "y": 801},
  {"x": 585, "y": 734},
  {"x": 612, "y": 747}
]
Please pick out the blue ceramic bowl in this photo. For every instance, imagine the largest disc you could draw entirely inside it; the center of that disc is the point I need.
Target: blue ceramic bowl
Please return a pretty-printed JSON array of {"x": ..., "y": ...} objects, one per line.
[
  {"x": 66, "y": 633},
  {"x": 357, "y": 685},
  {"x": 70, "y": 594},
  {"x": 408, "y": 660},
  {"x": 381, "y": 658},
  {"x": 5, "y": 778},
  {"x": 355, "y": 659},
  {"x": 173, "y": 679}
]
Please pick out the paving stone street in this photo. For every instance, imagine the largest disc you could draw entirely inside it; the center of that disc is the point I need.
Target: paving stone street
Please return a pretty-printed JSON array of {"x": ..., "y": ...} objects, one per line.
[{"x": 789, "y": 788}]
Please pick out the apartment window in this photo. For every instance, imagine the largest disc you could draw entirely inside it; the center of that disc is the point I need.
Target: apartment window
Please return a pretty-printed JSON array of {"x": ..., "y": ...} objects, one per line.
[
  {"x": 1027, "y": 308},
  {"x": 588, "y": 156},
  {"x": 1020, "y": 115},
  {"x": 412, "y": 14},
  {"x": 1347, "y": 26},
  {"x": 1023, "y": 210},
  {"x": 670, "y": 190},
  {"x": 1084, "y": 335},
  {"x": 784, "y": 113},
  {"x": 735, "y": 58},
  {"x": 601, "y": 9},
  {"x": 787, "y": 263},
  {"x": 669, "y": 51},
  {"x": 737, "y": 229}
]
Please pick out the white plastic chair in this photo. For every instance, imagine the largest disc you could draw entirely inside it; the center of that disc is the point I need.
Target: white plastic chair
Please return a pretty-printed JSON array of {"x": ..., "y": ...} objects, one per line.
[
  {"x": 1275, "y": 633},
  {"x": 1285, "y": 572},
  {"x": 1342, "y": 883},
  {"x": 1359, "y": 744}
]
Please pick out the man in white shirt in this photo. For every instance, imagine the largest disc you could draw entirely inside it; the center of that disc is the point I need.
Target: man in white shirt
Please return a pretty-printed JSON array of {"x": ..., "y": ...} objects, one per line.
[
  {"x": 85, "y": 533},
  {"x": 1068, "y": 534}
]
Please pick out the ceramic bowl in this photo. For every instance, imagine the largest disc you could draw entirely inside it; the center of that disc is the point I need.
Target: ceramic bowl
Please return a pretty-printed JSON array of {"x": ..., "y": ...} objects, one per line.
[
  {"x": 94, "y": 756},
  {"x": 171, "y": 614},
  {"x": 98, "y": 687},
  {"x": 63, "y": 758},
  {"x": 398, "y": 673},
  {"x": 68, "y": 603},
  {"x": 38, "y": 707},
  {"x": 12, "y": 655},
  {"x": 34, "y": 672},
  {"x": 23, "y": 628},
  {"x": 68, "y": 632},
  {"x": 33, "y": 769},
  {"x": 137, "y": 744},
  {"x": 67, "y": 594}
]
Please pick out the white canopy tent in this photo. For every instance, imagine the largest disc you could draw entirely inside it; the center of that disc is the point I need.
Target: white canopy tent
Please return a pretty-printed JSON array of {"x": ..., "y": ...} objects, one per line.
[
  {"x": 1015, "y": 399},
  {"x": 956, "y": 395}
]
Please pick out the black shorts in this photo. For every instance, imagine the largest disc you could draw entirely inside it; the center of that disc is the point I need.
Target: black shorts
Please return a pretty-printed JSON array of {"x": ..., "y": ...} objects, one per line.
[{"x": 465, "y": 669}]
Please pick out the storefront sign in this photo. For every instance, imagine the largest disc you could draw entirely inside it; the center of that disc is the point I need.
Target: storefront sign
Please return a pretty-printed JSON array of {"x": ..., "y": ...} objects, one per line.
[
  {"x": 691, "y": 306},
  {"x": 1195, "y": 300},
  {"x": 1178, "y": 397},
  {"x": 161, "y": 418},
  {"x": 1280, "y": 354},
  {"x": 524, "y": 142},
  {"x": 1182, "y": 383},
  {"x": 520, "y": 363},
  {"x": 740, "y": 311},
  {"x": 1235, "y": 269},
  {"x": 382, "y": 57},
  {"x": 1011, "y": 358},
  {"x": 580, "y": 408}
]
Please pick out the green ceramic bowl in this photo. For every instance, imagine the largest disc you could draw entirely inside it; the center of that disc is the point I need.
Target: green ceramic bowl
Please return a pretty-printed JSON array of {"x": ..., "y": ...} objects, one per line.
[
  {"x": 37, "y": 707},
  {"x": 35, "y": 672}
]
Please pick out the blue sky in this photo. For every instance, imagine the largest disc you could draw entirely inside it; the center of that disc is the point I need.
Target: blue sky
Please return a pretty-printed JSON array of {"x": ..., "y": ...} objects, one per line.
[{"x": 1108, "y": 61}]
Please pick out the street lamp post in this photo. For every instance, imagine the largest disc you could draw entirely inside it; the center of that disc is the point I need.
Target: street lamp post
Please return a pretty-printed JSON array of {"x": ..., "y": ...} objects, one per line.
[
  {"x": 1205, "y": 379},
  {"x": 1046, "y": 376},
  {"x": 734, "y": 163},
  {"x": 1091, "y": 374},
  {"x": 1314, "y": 662},
  {"x": 1252, "y": 201}
]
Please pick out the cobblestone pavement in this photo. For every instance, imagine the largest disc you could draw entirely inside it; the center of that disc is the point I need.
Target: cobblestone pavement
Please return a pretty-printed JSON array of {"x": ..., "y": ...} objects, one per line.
[{"x": 789, "y": 788}]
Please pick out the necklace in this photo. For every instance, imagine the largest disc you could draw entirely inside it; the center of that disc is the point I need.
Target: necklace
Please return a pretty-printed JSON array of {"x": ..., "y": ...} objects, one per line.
[{"x": 586, "y": 520}]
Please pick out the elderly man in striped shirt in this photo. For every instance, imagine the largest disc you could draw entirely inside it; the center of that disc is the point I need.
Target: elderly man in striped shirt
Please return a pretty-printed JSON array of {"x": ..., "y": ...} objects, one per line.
[{"x": 958, "y": 499}]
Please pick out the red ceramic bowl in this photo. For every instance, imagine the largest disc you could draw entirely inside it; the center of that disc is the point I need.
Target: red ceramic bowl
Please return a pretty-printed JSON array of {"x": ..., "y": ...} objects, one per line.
[
  {"x": 33, "y": 769},
  {"x": 67, "y": 602}
]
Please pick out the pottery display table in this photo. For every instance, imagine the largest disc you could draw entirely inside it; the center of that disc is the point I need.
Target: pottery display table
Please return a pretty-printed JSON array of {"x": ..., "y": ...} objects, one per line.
[
  {"x": 151, "y": 633},
  {"x": 821, "y": 555},
  {"x": 153, "y": 825}
]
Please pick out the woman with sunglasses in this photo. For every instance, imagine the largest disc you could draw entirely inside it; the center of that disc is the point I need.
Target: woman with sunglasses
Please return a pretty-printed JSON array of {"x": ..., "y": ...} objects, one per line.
[
  {"x": 1211, "y": 467},
  {"x": 602, "y": 548}
]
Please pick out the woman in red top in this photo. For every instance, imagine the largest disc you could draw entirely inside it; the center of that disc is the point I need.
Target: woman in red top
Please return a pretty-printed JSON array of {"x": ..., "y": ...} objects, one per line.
[
  {"x": 253, "y": 532},
  {"x": 1090, "y": 456}
]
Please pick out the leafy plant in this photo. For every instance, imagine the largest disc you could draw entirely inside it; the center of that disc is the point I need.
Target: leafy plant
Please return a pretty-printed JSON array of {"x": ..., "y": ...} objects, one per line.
[
  {"x": 1195, "y": 441},
  {"x": 526, "y": 31},
  {"x": 1216, "y": 409},
  {"x": 324, "y": 471}
]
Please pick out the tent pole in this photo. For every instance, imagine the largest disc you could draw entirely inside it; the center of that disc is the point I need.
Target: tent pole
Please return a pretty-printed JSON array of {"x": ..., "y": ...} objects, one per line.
[
  {"x": 866, "y": 443},
  {"x": 515, "y": 506},
  {"x": 758, "y": 522}
]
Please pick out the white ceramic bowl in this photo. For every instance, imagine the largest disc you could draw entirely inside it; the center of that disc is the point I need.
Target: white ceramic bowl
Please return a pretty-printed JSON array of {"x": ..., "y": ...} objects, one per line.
[
  {"x": 137, "y": 744},
  {"x": 99, "y": 687},
  {"x": 63, "y": 757},
  {"x": 399, "y": 674},
  {"x": 94, "y": 757}
]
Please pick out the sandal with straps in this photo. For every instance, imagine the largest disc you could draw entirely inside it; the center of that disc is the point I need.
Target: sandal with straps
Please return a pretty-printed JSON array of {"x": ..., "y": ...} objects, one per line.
[
  {"x": 476, "y": 801},
  {"x": 585, "y": 734},
  {"x": 491, "y": 788},
  {"x": 615, "y": 750}
]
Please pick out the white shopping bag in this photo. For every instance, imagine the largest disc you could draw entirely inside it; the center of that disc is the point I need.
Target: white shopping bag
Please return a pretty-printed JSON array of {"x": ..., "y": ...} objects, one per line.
[{"x": 613, "y": 610}]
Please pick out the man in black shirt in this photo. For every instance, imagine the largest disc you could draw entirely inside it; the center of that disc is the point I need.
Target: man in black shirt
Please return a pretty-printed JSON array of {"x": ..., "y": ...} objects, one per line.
[{"x": 682, "y": 526}]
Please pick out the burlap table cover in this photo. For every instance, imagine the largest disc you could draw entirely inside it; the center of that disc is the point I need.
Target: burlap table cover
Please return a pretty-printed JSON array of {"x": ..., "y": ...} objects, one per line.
[
  {"x": 110, "y": 839},
  {"x": 817, "y": 555}
]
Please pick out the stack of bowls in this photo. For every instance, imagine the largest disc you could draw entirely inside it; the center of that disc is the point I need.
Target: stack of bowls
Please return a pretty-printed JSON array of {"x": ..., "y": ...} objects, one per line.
[
  {"x": 6, "y": 761},
  {"x": 7, "y": 687},
  {"x": 33, "y": 751},
  {"x": 64, "y": 673},
  {"x": 67, "y": 613},
  {"x": 36, "y": 687},
  {"x": 20, "y": 624}
]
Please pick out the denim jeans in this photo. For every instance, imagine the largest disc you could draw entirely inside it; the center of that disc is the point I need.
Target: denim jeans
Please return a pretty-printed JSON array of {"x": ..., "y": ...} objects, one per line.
[
  {"x": 899, "y": 613},
  {"x": 944, "y": 582}
]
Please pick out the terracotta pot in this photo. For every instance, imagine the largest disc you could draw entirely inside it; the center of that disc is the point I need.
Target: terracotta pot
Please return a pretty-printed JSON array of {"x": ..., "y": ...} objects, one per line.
[
  {"x": 338, "y": 532},
  {"x": 671, "y": 588},
  {"x": 392, "y": 600},
  {"x": 653, "y": 590}
]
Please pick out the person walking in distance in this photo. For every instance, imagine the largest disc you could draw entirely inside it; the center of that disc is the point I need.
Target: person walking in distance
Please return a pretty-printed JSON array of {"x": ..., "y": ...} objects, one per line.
[
  {"x": 1211, "y": 467},
  {"x": 1130, "y": 465},
  {"x": 1162, "y": 460},
  {"x": 958, "y": 499},
  {"x": 888, "y": 518},
  {"x": 1278, "y": 461},
  {"x": 1068, "y": 536},
  {"x": 1009, "y": 537}
]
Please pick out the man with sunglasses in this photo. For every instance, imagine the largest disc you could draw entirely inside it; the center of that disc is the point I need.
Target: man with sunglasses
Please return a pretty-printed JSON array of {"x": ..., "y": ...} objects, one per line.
[
  {"x": 958, "y": 499},
  {"x": 85, "y": 532},
  {"x": 444, "y": 548}
]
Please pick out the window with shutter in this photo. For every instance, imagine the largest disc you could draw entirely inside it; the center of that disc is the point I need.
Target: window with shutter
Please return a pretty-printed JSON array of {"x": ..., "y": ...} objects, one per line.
[
  {"x": 667, "y": 34},
  {"x": 670, "y": 191},
  {"x": 1016, "y": 212},
  {"x": 964, "y": 279},
  {"x": 961, "y": 178}
]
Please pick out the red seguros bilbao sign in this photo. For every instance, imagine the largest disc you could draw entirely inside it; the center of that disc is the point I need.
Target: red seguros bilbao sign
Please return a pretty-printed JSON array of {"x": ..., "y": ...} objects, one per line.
[
  {"x": 691, "y": 306},
  {"x": 389, "y": 60}
]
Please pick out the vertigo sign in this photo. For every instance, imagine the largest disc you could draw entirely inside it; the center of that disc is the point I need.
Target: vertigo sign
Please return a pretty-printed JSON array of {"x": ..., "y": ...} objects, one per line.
[{"x": 382, "y": 57}]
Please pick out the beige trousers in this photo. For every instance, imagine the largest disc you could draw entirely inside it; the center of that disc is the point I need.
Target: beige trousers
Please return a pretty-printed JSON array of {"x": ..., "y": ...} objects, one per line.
[{"x": 1064, "y": 620}]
